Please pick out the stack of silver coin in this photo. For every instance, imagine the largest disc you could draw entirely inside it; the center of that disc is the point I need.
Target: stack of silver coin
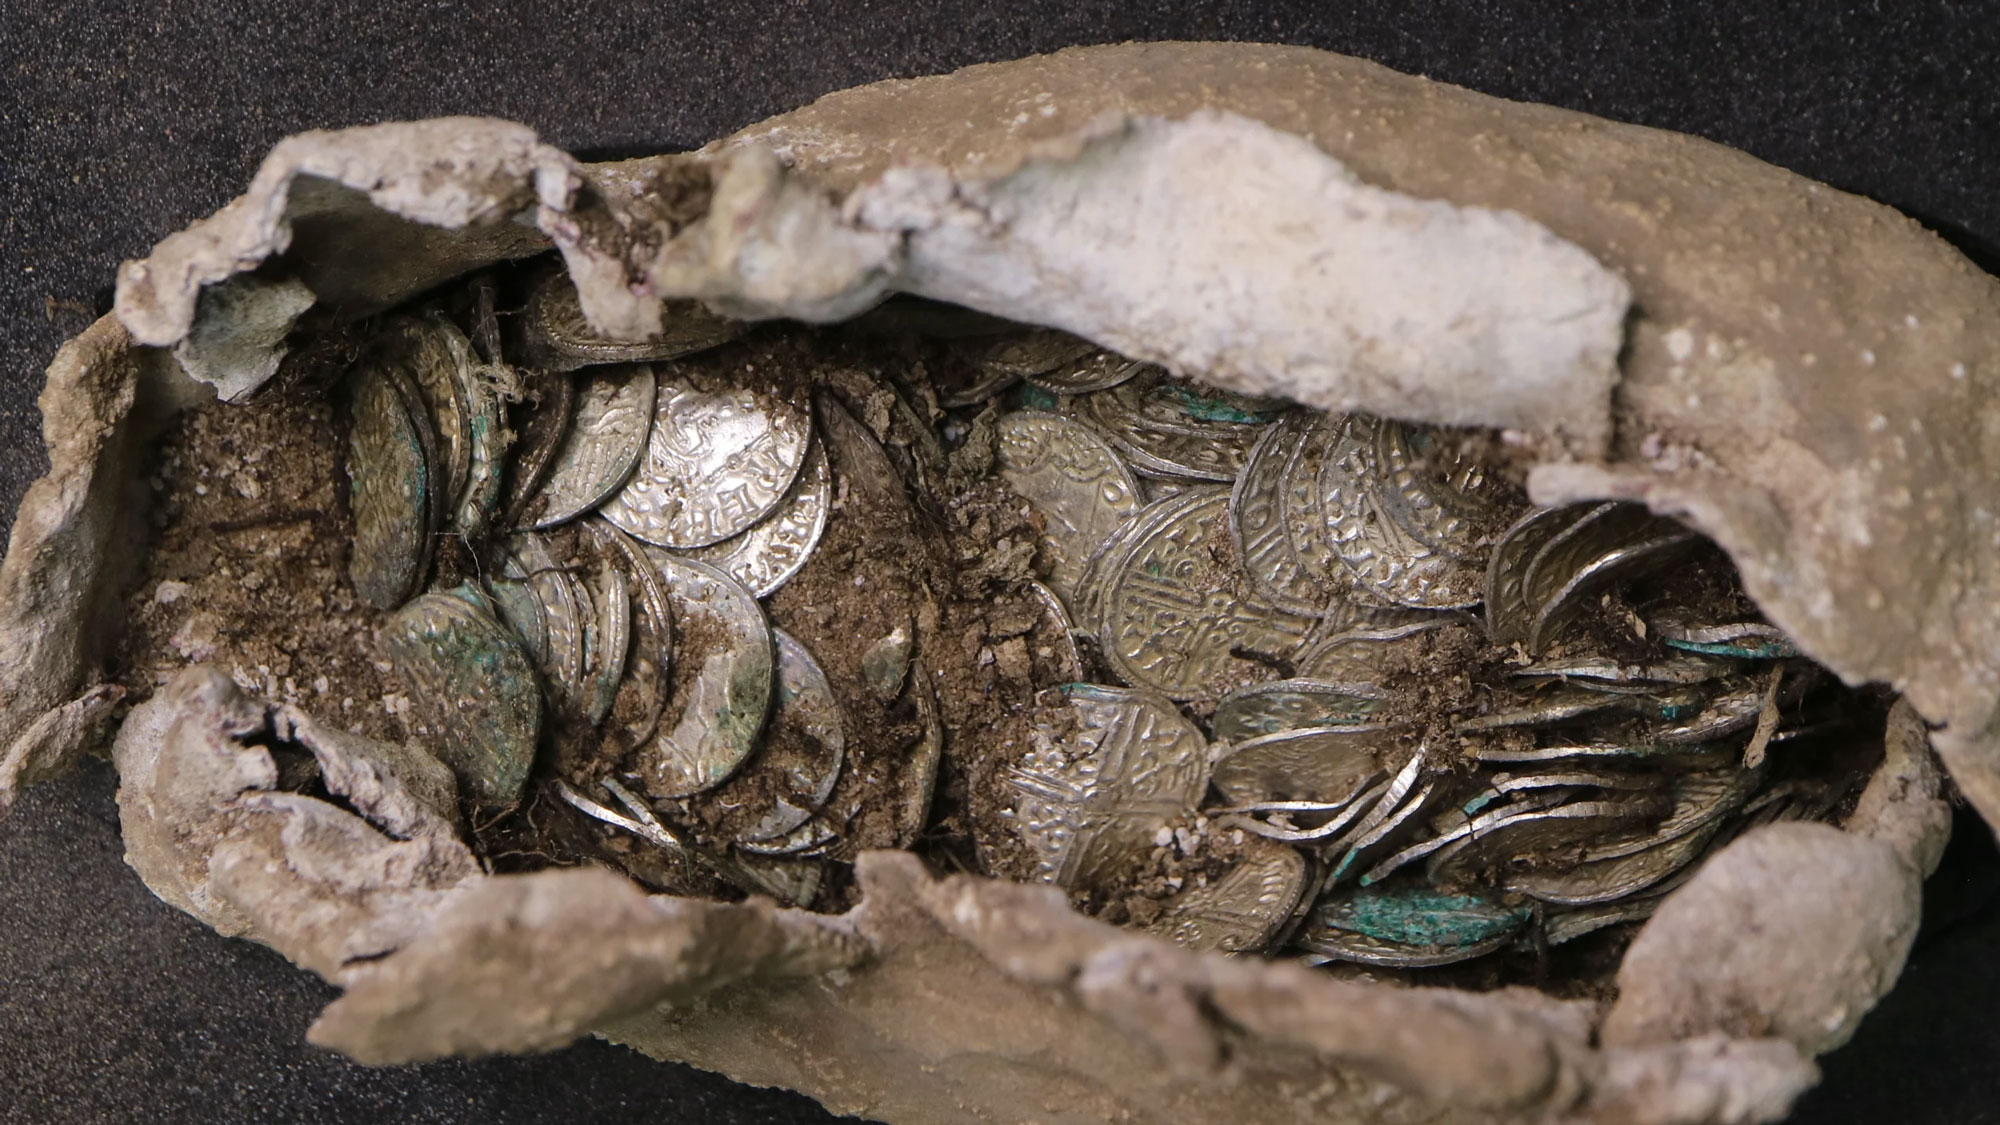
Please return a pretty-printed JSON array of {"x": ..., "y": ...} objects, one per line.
[
  {"x": 609, "y": 505},
  {"x": 1261, "y": 585}
]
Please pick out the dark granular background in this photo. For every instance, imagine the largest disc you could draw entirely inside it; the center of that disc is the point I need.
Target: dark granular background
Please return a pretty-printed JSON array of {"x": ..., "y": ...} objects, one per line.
[{"x": 120, "y": 123}]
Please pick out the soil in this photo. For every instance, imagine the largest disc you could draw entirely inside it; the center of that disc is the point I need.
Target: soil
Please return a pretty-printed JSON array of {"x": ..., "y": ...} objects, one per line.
[{"x": 247, "y": 568}]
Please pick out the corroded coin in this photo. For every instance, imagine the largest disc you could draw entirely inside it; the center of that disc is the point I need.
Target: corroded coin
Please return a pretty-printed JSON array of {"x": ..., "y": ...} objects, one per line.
[
  {"x": 612, "y": 414},
  {"x": 473, "y": 687},
  {"x": 1744, "y": 640},
  {"x": 724, "y": 688},
  {"x": 1409, "y": 926},
  {"x": 1017, "y": 355},
  {"x": 767, "y": 555},
  {"x": 920, "y": 773},
  {"x": 1096, "y": 795},
  {"x": 555, "y": 634},
  {"x": 1168, "y": 428},
  {"x": 1535, "y": 837},
  {"x": 542, "y": 425},
  {"x": 1241, "y": 910},
  {"x": 561, "y": 338},
  {"x": 436, "y": 356},
  {"x": 389, "y": 482},
  {"x": 1602, "y": 880},
  {"x": 1072, "y": 477},
  {"x": 1292, "y": 704},
  {"x": 1387, "y": 561},
  {"x": 1309, "y": 764},
  {"x": 1097, "y": 371},
  {"x": 804, "y": 748},
  {"x": 1257, "y": 525},
  {"x": 1172, "y": 618},
  {"x": 716, "y": 462}
]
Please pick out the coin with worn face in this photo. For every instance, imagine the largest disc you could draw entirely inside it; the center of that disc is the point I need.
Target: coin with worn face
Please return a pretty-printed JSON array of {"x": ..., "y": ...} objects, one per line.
[
  {"x": 607, "y": 640},
  {"x": 389, "y": 482},
  {"x": 473, "y": 688},
  {"x": 610, "y": 419},
  {"x": 1386, "y": 560},
  {"x": 542, "y": 425},
  {"x": 1409, "y": 926},
  {"x": 640, "y": 695},
  {"x": 920, "y": 772},
  {"x": 1030, "y": 351},
  {"x": 1309, "y": 764},
  {"x": 1257, "y": 521},
  {"x": 1366, "y": 653},
  {"x": 767, "y": 555},
  {"x": 1241, "y": 910},
  {"x": 723, "y": 690},
  {"x": 1092, "y": 794},
  {"x": 716, "y": 462},
  {"x": 1072, "y": 477},
  {"x": 561, "y": 339},
  {"x": 1596, "y": 881},
  {"x": 1534, "y": 838},
  {"x": 803, "y": 750},
  {"x": 1744, "y": 640},
  {"x": 1174, "y": 618},
  {"x": 436, "y": 356},
  {"x": 1096, "y": 371},
  {"x": 1281, "y": 705},
  {"x": 1441, "y": 492}
]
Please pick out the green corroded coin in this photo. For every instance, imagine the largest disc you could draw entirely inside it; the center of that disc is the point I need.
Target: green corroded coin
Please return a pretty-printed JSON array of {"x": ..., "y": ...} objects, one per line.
[
  {"x": 724, "y": 690},
  {"x": 472, "y": 688},
  {"x": 389, "y": 482},
  {"x": 1409, "y": 925}
]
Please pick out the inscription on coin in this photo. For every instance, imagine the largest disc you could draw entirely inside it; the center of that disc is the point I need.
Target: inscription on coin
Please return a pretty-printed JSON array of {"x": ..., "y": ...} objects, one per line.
[
  {"x": 1072, "y": 477},
  {"x": 609, "y": 422},
  {"x": 1241, "y": 910},
  {"x": 1172, "y": 621},
  {"x": 716, "y": 462},
  {"x": 767, "y": 555},
  {"x": 472, "y": 685},
  {"x": 1257, "y": 520}
]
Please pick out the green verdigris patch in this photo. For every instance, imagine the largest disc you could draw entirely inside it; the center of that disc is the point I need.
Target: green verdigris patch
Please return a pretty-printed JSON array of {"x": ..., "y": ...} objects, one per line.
[{"x": 473, "y": 686}]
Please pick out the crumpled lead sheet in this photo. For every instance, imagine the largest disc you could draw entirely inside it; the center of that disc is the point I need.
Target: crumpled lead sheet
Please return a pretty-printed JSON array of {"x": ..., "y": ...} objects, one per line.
[{"x": 1767, "y": 392}]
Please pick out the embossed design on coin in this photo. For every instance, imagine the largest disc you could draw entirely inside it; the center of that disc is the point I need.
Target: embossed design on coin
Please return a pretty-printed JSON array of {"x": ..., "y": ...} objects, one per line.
[
  {"x": 473, "y": 686},
  {"x": 611, "y": 418},
  {"x": 389, "y": 475},
  {"x": 766, "y": 556},
  {"x": 1410, "y": 926},
  {"x": 563, "y": 340},
  {"x": 1384, "y": 557},
  {"x": 1308, "y": 764},
  {"x": 1098, "y": 371},
  {"x": 1170, "y": 620},
  {"x": 1446, "y": 499},
  {"x": 1031, "y": 351},
  {"x": 716, "y": 462},
  {"x": 1265, "y": 547},
  {"x": 435, "y": 354},
  {"x": 1099, "y": 795},
  {"x": 1280, "y": 705},
  {"x": 1243, "y": 909},
  {"x": 724, "y": 693},
  {"x": 1166, "y": 427},
  {"x": 1074, "y": 480}
]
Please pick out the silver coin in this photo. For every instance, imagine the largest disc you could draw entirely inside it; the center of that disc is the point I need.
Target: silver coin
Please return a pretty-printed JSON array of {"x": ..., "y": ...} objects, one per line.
[
  {"x": 1606, "y": 543},
  {"x": 1170, "y": 619},
  {"x": 487, "y": 436},
  {"x": 1304, "y": 822},
  {"x": 1448, "y": 499},
  {"x": 1375, "y": 837},
  {"x": 1725, "y": 713},
  {"x": 1508, "y": 610},
  {"x": 1309, "y": 764},
  {"x": 794, "y": 773},
  {"x": 1096, "y": 371},
  {"x": 1147, "y": 420},
  {"x": 561, "y": 339},
  {"x": 533, "y": 567},
  {"x": 771, "y": 551},
  {"x": 1087, "y": 803},
  {"x": 1290, "y": 705},
  {"x": 1568, "y": 602},
  {"x": 1386, "y": 560},
  {"x": 607, "y": 644},
  {"x": 472, "y": 686},
  {"x": 609, "y": 422},
  {"x": 1595, "y": 881},
  {"x": 390, "y": 483},
  {"x": 1265, "y": 547},
  {"x": 1561, "y": 702},
  {"x": 1060, "y": 632},
  {"x": 1020, "y": 354},
  {"x": 814, "y": 837},
  {"x": 1603, "y": 674},
  {"x": 1074, "y": 480},
  {"x": 790, "y": 880},
  {"x": 649, "y": 655},
  {"x": 1409, "y": 926},
  {"x": 1362, "y": 655},
  {"x": 1564, "y": 926},
  {"x": 921, "y": 770},
  {"x": 1241, "y": 910},
  {"x": 542, "y": 425},
  {"x": 1700, "y": 799},
  {"x": 1538, "y": 837},
  {"x": 1743, "y": 640},
  {"x": 1454, "y": 827},
  {"x": 716, "y": 463},
  {"x": 725, "y": 690},
  {"x": 1688, "y": 754}
]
